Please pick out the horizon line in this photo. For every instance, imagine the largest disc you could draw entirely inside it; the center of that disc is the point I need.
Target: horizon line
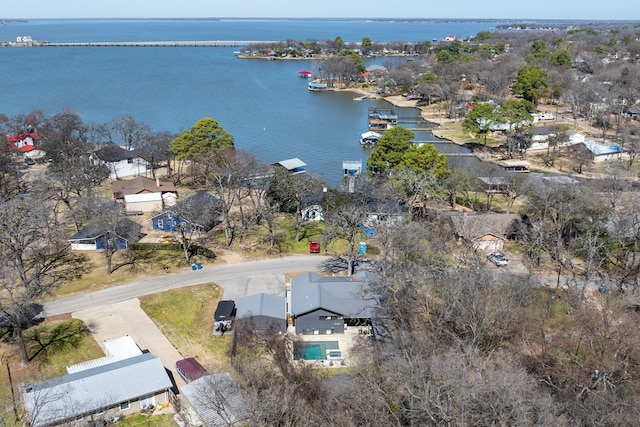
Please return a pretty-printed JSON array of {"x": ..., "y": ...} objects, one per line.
[{"x": 329, "y": 18}]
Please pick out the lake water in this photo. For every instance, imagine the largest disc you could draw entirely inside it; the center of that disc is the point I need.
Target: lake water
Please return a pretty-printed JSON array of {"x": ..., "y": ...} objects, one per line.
[{"x": 263, "y": 104}]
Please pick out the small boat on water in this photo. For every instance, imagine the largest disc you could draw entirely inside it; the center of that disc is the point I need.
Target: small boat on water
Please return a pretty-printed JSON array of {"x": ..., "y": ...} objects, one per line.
[
  {"x": 318, "y": 86},
  {"x": 369, "y": 139},
  {"x": 359, "y": 98}
]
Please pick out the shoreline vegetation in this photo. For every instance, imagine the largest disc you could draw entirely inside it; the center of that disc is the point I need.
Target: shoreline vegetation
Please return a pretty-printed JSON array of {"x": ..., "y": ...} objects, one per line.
[{"x": 451, "y": 130}]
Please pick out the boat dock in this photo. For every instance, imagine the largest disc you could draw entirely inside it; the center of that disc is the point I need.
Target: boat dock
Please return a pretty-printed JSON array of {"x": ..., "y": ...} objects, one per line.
[{"x": 184, "y": 43}]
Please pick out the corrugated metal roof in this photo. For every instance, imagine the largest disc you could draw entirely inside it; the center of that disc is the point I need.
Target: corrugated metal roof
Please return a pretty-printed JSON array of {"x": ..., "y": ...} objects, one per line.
[
  {"x": 291, "y": 164},
  {"x": 261, "y": 305},
  {"x": 122, "y": 347},
  {"x": 89, "y": 391},
  {"x": 603, "y": 150},
  {"x": 144, "y": 197},
  {"x": 217, "y": 399}
]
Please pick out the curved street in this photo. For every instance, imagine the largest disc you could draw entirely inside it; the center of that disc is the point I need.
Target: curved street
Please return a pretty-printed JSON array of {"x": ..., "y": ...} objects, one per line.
[{"x": 237, "y": 280}]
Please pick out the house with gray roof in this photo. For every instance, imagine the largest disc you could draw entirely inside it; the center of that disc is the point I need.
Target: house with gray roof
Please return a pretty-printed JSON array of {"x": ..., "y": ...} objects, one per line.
[
  {"x": 199, "y": 212},
  {"x": 328, "y": 304},
  {"x": 212, "y": 401},
  {"x": 126, "y": 386},
  {"x": 263, "y": 311},
  {"x": 96, "y": 236}
]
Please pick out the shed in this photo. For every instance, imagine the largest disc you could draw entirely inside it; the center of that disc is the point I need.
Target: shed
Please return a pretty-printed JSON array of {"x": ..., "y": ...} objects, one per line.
[{"x": 263, "y": 311}]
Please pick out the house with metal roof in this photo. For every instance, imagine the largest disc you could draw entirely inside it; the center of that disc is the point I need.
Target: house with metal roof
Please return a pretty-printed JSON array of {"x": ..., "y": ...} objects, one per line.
[
  {"x": 123, "y": 387},
  {"x": 601, "y": 153},
  {"x": 121, "y": 162},
  {"x": 263, "y": 311},
  {"x": 212, "y": 401},
  {"x": 327, "y": 304},
  {"x": 94, "y": 237}
]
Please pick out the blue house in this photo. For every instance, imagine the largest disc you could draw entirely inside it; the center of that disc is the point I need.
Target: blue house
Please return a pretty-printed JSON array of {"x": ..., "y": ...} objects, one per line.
[
  {"x": 94, "y": 237},
  {"x": 196, "y": 214}
]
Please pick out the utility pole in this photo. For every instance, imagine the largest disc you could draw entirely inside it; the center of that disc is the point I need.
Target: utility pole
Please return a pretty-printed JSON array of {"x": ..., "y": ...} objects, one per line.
[{"x": 13, "y": 393}]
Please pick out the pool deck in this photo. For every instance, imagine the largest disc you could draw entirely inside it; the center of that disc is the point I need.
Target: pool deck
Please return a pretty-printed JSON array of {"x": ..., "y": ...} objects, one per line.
[{"x": 346, "y": 342}]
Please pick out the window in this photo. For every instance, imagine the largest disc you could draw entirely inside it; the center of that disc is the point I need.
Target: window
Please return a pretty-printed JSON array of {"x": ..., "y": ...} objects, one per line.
[
  {"x": 125, "y": 405},
  {"x": 160, "y": 223}
]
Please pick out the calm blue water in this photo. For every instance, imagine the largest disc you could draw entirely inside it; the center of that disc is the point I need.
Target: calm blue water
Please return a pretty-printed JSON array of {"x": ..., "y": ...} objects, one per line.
[{"x": 264, "y": 104}]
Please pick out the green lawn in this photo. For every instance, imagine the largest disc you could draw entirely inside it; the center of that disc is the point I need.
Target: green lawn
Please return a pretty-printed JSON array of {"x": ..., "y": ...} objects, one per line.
[
  {"x": 185, "y": 317},
  {"x": 148, "y": 421}
]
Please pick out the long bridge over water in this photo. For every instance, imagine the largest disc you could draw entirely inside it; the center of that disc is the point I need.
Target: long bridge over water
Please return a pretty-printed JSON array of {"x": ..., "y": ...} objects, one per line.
[{"x": 175, "y": 43}]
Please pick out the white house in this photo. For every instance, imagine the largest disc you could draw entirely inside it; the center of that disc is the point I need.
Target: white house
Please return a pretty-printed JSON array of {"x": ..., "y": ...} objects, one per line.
[
  {"x": 121, "y": 162},
  {"x": 601, "y": 153}
]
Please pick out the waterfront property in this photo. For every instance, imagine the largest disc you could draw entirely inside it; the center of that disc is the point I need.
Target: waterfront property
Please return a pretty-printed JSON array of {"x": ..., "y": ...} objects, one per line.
[
  {"x": 383, "y": 114},
  {"x": 121, "y": 162},
  {"x": 318, "y": 86},
  {"x": 294, "y": 166},
  {"x": 369, "y": 139}
]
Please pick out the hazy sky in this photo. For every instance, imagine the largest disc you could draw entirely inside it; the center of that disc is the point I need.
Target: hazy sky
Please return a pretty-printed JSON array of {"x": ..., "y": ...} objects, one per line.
[{"x": 516, "y": 9}]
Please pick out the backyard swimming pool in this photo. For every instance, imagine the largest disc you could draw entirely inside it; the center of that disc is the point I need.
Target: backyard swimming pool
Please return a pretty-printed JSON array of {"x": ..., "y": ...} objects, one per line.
[{"x": 316, "y": 350}]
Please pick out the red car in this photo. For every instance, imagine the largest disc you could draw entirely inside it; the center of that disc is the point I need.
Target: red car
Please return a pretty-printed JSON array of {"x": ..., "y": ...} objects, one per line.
[{"x": 314, "y": 247}]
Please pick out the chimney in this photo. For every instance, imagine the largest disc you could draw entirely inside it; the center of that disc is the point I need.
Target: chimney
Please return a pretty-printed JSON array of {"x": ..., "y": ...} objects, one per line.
[{"x": 158, "y": 182}]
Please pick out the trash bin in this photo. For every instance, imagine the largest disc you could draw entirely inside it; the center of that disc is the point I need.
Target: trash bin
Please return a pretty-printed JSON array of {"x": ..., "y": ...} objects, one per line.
[
  {"x": 199, "y": 266},
  {"x": 362, "y": 248},
  {"x": 193, "y": 266}
]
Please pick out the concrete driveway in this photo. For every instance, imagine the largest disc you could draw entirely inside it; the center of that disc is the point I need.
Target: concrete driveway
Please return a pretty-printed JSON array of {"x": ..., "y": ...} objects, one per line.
[
  {"x": 115, "y": 312},
  {"x": 127, "y": 318}
]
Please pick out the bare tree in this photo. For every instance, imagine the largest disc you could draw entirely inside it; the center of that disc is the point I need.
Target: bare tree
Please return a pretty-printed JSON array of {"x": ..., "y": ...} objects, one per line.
[
  {"x": 133, "y": 133},
  {"x": 35, "y": 258}
]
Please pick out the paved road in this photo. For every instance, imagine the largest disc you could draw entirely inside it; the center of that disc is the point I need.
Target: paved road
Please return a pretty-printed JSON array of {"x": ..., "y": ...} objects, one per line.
[{"x": 237, "y": 280}]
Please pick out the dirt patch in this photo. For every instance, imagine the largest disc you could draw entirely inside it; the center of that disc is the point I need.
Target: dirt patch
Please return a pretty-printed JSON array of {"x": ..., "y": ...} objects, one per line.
[{"x": 225, "y": 256}]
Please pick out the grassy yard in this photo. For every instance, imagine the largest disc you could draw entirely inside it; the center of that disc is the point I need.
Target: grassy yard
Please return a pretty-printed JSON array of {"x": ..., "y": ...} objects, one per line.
[
  {"x": 185, "y": 317},
  {"x": 53, "y": 345},
  {"x": 147, "y": 421}
]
